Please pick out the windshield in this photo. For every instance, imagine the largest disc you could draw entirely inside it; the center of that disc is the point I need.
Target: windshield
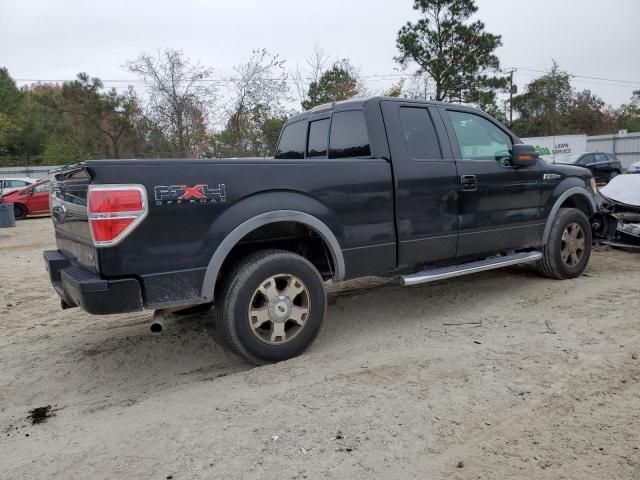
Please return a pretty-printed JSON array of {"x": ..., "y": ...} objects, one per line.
[{"x": 567, "y": 158}]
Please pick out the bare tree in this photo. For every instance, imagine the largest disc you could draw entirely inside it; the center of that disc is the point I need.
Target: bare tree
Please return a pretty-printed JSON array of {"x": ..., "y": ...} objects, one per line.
[
  {"x": 259, "y": 92},
  {"x": 180, "y": 97},
  {"x": 316, "y": 65},
  {"x": 420, "y": 86}
]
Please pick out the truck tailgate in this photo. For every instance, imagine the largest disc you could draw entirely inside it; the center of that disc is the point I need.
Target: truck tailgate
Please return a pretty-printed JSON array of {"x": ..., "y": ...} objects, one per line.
[{"x": 69, "y": 188}]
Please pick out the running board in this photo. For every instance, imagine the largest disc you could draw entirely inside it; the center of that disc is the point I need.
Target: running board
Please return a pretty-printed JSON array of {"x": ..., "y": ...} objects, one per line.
[{"x": 435, "y": 274}]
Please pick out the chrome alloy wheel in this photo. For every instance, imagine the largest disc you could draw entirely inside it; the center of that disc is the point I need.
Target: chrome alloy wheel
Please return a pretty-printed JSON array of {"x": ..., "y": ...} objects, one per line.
[
  {"x": 279, "y": 309},
  {"x": 572, "y": 245}
]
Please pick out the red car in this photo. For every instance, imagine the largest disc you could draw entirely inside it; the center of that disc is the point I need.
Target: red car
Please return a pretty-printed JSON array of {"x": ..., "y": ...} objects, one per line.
[{"x": 31, "y": 200}]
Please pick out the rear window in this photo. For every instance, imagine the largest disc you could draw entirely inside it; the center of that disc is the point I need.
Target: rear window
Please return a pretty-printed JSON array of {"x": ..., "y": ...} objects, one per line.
[
  {"x": 349, "y": 136},
  {"x": 318, "y": 138},
  {"x": 419, "y": 134},
  {"x": 293, "y": 141},
  {"x": 15, "y": 183}
]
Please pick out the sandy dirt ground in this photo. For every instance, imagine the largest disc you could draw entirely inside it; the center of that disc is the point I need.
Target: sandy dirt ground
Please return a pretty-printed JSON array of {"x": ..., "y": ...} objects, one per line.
[{"x": 547, "y": 387}]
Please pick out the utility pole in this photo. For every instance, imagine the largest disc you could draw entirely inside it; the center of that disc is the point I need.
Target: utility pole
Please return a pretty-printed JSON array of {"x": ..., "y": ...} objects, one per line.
[{"x": 511, "y": 72}]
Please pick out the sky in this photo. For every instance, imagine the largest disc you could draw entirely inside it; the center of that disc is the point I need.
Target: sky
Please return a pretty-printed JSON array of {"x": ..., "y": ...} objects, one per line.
[{"x": 56, "y": 39}]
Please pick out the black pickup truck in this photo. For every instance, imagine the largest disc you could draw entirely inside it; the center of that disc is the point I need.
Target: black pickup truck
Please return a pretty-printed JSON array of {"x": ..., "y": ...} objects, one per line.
[{"x": 379, "y": 186}]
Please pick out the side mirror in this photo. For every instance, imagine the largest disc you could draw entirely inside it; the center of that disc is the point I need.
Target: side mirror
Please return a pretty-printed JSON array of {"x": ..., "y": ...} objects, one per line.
[{"x": 523, "y": 155}]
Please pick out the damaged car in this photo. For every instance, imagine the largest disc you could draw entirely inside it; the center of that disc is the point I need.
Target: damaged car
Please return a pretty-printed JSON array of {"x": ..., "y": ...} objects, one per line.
[{"x": 619, "y": 219}]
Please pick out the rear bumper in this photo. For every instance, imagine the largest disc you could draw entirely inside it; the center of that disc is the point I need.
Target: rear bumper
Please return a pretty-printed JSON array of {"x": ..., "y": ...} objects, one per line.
[{"x": 79, "y": 287}]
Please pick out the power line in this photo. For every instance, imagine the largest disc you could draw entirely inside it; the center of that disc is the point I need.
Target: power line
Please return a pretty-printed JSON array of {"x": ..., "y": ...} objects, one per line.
[
  {"x": 585, "y": 82},
  {"x": 575, "y": 75},
  {"x": 372, "y": 77},
  {"x": 210, "y": 79}
]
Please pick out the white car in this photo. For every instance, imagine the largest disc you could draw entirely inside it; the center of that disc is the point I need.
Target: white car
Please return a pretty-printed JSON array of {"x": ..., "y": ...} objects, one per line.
[
  {"x": 634, "y": 168},
  {"x": 8, "y": 185}
]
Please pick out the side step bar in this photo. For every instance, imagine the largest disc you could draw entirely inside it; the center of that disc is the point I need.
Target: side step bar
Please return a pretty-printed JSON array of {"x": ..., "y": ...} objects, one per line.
[{"x": 435, "y": 274}]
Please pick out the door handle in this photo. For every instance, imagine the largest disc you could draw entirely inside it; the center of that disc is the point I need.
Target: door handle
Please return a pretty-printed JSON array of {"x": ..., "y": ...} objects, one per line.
[{"x": 468, "y": 183}]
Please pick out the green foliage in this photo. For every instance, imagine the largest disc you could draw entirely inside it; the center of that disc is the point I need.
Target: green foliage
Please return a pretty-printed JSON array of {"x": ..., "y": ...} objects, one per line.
[
  {"x": 261, "y": 142},
  {"x": 485, "y": 99},
  {"x": 395, "y": 90},
  {"x": 9, "y": 131},
  {"x": 107, "y": 114},
  {"x": 453, "y": 51},
  {"x": 271, "y": 133},
  {"x": 543, "y": 107},
  {"x": 628, "y": 117},
  {"x": 9, "y": 93},
  {"x": 340, "y": 82},
  {"x": 37, "y": 121},
  {"x": 550, "y": 106},
  {"x": 75, "y": 117},
  {"x": 62, "y": 150},
  {"x": 589, "y": 114}
]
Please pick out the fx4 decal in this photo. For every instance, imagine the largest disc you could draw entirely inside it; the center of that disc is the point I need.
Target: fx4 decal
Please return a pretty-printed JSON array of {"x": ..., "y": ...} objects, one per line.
[{"x": 199, "y": 194}]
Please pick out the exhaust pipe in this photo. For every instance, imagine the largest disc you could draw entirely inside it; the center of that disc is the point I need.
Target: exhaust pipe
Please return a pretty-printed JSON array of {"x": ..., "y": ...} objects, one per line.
[
  {"x": 156, "y": 327},
  {"x": 157, "y": 323}
]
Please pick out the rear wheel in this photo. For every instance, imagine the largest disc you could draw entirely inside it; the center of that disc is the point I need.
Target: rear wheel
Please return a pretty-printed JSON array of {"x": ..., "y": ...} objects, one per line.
[
  {"x": 271, "y": 306},
  {"x": 568, "y": 249},
  {"x": 19, "y": 211}
]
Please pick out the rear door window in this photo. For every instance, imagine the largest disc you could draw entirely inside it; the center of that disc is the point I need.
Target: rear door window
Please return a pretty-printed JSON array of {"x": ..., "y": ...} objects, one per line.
[
  {"x": 349, "y": 137},
  {"x": 293, "y": 141},
  {"x": 419, "y": 133},
  {"x": 318, "y": 138}
]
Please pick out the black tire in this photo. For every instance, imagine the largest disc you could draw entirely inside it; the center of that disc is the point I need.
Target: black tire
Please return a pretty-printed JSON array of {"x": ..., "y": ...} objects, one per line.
[
  {"x": 19, "y": 211},
  {"x": 555, "y": 263},
  {"x": 241, "y": 293},
  {"x": 614, "y": 174}
]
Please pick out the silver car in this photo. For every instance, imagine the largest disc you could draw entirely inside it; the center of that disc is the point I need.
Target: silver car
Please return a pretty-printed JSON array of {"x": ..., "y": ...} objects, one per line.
[
  {"x": 8, "y": 185},
  {"x": 634, "y": 168}
]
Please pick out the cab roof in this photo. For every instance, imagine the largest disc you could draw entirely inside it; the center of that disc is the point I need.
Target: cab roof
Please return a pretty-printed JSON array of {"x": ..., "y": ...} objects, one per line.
[{"x": 360, "y": 102}]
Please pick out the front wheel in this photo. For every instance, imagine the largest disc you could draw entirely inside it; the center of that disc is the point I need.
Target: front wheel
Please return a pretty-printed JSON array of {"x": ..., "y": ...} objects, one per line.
[
  {"x": 613, "y": 175},
  {"x": 568, "y": 249},
  {"x": 19, "y": 211},
  {"x": 271, "y": 306}
]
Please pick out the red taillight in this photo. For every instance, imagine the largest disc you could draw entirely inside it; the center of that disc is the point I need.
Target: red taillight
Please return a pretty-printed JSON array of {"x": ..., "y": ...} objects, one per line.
[
  {"x": 114, "y": 211},
  {"x": 112, "y": 201}
]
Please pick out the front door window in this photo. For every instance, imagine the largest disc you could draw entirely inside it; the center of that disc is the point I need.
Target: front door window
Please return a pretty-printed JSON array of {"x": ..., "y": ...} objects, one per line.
[{"x": 479, "y": 139}]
